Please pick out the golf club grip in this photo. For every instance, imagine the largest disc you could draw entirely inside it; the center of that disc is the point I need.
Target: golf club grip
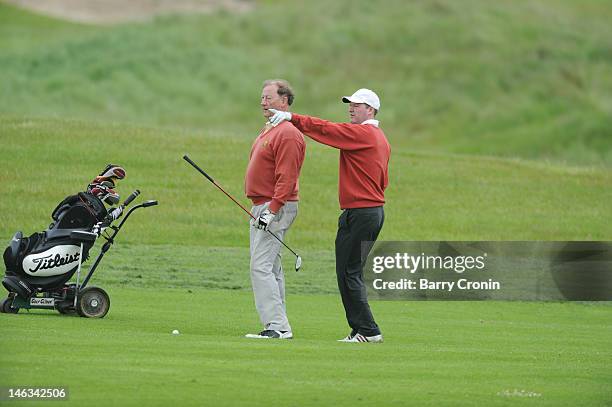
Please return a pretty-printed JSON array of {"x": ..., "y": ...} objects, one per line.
[
  {"x": 130, "y": 198},
  {"x": 198, "y": 168}
]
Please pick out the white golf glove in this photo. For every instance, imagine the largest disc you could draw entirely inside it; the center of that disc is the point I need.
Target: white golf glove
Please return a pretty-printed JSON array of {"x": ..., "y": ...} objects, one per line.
[
  {"x": 279, "y": 117},
  {"x": 264, "y": 220}
]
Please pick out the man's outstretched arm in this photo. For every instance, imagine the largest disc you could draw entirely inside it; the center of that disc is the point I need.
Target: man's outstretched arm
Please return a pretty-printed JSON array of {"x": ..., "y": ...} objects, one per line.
[{"x": 344, "y": 136}]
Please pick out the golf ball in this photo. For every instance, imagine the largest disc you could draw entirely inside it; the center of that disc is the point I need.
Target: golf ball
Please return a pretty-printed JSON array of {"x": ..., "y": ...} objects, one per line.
[{"x": 175, "y": 332}]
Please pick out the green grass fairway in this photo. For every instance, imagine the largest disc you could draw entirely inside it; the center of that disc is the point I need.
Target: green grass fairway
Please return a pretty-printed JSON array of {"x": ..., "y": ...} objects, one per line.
[
  {"x": 431, "y": 196},
  {"x": 436, "y": 353},
  {"x": 499, "y": 116},
  {"x": 184, "y": 265}
]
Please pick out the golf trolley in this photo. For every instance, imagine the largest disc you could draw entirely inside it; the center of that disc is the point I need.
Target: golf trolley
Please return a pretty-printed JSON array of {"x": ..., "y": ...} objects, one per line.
[{"x": 39, "y": 267}]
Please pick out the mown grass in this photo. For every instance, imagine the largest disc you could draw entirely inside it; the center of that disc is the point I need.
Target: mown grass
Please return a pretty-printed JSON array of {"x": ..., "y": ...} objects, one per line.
[
  {"x": 436, "y": 353},
  {"x": 430, "y": 197},
  {"x": 184, "y": 264},
  {"x": 524, "y": 79},
  {"x": 198, "y": 267}
]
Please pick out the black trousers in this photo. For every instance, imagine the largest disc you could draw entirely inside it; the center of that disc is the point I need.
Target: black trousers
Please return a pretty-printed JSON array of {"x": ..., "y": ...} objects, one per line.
[{"x": 354, "y": 227}]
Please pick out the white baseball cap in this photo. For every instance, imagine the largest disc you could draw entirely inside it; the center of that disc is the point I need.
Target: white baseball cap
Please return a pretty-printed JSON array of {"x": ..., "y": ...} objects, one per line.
[{"x": 363, "y": 96}]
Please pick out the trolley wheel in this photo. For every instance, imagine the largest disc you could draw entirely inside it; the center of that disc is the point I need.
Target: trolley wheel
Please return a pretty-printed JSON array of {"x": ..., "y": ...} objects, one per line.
[
  {"x": 5, "y": 306},
  {"x": 93, "y": 302}
]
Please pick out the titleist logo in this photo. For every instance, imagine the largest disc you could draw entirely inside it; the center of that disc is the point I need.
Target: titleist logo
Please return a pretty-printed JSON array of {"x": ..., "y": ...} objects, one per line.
[{"x": 50, "y": 261}]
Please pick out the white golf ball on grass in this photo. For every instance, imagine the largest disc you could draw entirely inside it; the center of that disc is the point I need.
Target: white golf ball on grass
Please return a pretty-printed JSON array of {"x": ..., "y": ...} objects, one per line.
[{"x": 175, "y": 332}]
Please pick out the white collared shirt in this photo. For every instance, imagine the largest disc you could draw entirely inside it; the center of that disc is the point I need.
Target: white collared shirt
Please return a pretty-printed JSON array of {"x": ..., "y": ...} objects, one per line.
[{"x": 372, "y": 122}]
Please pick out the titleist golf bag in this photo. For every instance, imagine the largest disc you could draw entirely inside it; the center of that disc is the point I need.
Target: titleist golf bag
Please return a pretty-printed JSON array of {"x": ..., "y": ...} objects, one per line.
[
  {"x": 39, "y": 267},
  {"x": 48, "y": 259}
]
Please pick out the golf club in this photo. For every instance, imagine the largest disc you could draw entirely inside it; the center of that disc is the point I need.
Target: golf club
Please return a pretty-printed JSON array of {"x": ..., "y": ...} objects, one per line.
[{"x": 298, "y": 258}]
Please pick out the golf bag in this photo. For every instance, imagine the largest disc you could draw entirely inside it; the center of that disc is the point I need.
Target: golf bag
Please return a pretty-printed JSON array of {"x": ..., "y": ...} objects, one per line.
[
  {"x": 39, "y": 267},
  {"x": 46, "y": 260}
]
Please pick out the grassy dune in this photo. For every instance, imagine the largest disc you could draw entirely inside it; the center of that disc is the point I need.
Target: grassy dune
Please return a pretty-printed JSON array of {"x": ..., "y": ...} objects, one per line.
[{"x": 520, "y": 79}]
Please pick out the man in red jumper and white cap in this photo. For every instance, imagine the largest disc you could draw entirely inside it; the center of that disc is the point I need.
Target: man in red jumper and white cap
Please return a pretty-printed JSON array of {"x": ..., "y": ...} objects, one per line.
[
  {"x": 364, "y": 163},
  {"x": 271, "y": 183}
]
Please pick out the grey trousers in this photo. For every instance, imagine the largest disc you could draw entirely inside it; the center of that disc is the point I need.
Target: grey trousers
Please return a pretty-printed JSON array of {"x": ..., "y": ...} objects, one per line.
[{"x": 266, "y": 269}]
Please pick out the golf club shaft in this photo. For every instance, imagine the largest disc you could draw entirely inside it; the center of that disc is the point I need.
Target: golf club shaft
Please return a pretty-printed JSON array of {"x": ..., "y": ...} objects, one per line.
[{"x": 232, "y": 198}]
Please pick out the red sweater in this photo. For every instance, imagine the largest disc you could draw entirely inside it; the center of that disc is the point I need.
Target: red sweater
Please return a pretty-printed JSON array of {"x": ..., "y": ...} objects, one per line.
[
  {"x": 364, "y": 158},
  {"x": 274, "y": 166}
]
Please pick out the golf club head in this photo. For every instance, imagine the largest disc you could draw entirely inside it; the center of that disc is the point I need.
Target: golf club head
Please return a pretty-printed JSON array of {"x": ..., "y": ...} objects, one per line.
[{"x": 298, "y": 263}]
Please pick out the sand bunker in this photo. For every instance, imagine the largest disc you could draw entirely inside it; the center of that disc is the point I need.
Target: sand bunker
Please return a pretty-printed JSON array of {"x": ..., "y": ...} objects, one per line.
[{"x": 119, "y": 11}]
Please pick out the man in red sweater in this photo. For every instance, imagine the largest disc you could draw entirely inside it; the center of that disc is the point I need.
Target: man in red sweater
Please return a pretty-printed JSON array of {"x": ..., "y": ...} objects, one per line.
[
  {"x": 271, "y": 183},
  {"x": 364, "y": 163}
]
